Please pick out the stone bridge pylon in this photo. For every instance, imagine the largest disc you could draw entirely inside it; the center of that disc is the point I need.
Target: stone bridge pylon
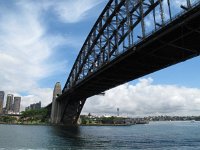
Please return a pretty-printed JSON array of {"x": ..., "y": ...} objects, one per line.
[{"x": 56, "y": 107}]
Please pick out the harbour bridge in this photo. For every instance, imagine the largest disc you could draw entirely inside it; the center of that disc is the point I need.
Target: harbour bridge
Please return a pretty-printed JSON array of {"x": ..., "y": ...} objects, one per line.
[{"x": 130, "y": 39}]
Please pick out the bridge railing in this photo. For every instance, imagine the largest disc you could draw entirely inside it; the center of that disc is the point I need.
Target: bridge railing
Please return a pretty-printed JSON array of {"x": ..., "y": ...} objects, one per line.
[
  {"x": 168, "y": 21},
  {"x": 122, "y": 25}
]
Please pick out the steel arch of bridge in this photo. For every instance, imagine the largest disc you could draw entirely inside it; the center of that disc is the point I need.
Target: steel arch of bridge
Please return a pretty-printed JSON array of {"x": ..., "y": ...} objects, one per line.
[
  {"x": 113, "y": 34},
  {"x": 121, "y": 47}
]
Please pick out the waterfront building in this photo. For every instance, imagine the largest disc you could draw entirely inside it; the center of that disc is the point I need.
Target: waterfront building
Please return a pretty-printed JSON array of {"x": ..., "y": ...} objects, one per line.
[
  {"x": 16, "y": 105},
  {"x": 9, "y": 103},
  {"x": 37, "y": 105},
  {"x": 1, "y": 101},
  {"x": 34, "y": 106}
]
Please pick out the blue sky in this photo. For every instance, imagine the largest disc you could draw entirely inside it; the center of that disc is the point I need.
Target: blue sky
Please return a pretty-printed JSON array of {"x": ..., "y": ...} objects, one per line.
[
  {"x": 40, "y": 39},
  {"x": 183, "y": 74}
]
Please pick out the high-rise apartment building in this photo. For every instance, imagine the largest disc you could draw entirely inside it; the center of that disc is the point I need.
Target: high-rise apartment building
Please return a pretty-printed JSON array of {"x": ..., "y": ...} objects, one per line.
[
  {"x": 16, "y": 106},
  {"x": 1, "y": 101},
  {"x": 9, "y": 102}
]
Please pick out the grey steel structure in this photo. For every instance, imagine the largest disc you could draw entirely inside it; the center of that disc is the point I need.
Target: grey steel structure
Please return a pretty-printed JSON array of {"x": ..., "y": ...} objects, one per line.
[
  {"x": 1, "y": 101},
  {"x": 121, "y": 47}
]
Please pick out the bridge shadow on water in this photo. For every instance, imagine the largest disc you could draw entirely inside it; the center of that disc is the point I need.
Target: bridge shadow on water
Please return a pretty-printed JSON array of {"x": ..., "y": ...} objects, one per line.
[
  {"x": 66, "y": 131},
  {"x": 79, "y": 137},
  {"x": 68, "y": 136}
]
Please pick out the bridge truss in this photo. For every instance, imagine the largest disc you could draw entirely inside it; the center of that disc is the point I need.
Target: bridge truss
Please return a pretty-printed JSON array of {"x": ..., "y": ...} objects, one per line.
[
  {"x": 131, "y": 38},
  {"x": 121, "y": 25}
]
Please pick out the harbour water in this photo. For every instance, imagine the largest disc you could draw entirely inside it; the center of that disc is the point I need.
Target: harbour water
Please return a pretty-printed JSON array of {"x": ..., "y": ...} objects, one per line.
[{"x": 155, "y": 136}]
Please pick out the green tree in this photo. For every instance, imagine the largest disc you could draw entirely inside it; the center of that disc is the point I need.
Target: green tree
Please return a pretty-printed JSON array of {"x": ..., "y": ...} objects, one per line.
[{"x": 36, "y": 115}]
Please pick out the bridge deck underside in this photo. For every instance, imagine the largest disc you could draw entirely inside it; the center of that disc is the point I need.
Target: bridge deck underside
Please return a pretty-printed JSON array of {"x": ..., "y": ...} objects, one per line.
[{"x": 174, "y": 43}]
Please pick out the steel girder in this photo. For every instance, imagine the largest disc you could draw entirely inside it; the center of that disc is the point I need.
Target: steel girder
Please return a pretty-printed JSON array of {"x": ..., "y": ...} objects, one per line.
[{"x": 113, "y": 34}]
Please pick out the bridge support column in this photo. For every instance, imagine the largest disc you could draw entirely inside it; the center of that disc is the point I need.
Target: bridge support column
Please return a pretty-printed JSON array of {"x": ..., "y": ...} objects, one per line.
[
  {"x": 72, "y": 111},
  {"x": 56, "y": 105},
  {"x": 56, "y": 112}
]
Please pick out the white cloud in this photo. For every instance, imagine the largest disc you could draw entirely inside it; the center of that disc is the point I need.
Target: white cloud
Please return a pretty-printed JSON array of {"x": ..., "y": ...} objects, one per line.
[
  {"x": 74, "y": 11},
  {"x": 38, "y": 94},
  {"x": 23, "y": 52},
  {"x": 145, "y": 98},
  {"x": 26, "y": 46},
  {"x": 68, "y": 11}
]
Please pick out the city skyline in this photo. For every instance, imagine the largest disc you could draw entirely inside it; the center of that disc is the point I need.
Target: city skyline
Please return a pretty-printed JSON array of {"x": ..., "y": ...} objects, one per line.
[
  {"x": 40, "y": 41},
  {"x": 12, "y": 103},
  {"x": 1, "y": 101}
]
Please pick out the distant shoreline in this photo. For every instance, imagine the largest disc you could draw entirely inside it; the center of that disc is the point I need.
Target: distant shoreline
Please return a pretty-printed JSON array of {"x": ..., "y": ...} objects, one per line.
[
  {"x": 48, "y": 124},
  {"x": 64, "y": 125},
  {"x": 3, "y": 123},
  {"x": 106, "y": 124}
]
